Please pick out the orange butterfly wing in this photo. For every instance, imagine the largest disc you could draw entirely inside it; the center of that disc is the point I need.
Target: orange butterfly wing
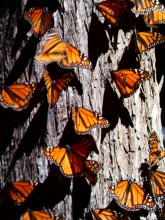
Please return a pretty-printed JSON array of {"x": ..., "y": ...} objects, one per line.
[
  {"x": 155, "y": 155},
  {"x": 156, "y": 178},
  {"x": 145, "y": 6},
  {"x": 53, "y": 50},
  {"x": 36, "y": 215},
  {"x": 66, "y": 55},
  {"x": 154, "y": 17},
  {"x": 91, "y": 169},
  {"x": 84, "y": 120},
  {"x": 127, "y": 81},
  {"x": 54, "y": 88},
  {"x": 130, "y": 196},
  {"x": 147, "y": 40},
  {"x": 40, "y": 19},
  {"x": 104, "y": 214},
  {"x": 60, "y": 157},
  {"x": 157, "y": 182},
  {"x": 113, "y": 10},
  {"x": 16, "y": 96},
  {"x": 71, "y": 160},
  {"x": 17, "y": 191},
  {"x": 154, "y": 147},
  {"x": 110, "y": 10},
  {"x": 74, "y": 58}
]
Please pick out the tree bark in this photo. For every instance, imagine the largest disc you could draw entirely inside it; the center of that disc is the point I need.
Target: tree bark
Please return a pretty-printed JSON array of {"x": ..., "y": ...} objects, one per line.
[{"x": 121, "y": 148}]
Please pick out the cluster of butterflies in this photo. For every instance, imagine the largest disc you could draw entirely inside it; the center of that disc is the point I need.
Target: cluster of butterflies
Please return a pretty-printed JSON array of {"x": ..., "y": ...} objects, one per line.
[
  {"x": 153, "y": 11},
  {"x": 131, "y": 196},
  {"x": 17, "y": 96},
  {"x": 128, "y": 194},
  {"x": 72, "y": 160}
]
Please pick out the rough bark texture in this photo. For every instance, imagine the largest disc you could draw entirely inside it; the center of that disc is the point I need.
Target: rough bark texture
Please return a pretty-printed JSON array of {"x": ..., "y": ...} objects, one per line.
[{"x": 121, "y": 148}]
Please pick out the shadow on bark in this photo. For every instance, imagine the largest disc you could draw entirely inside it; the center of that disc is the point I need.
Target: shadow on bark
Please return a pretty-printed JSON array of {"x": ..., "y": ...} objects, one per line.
[
  {"x": 56, "y": 71},
  {"x": 129, "y": 59},
  {"x": 11, "y": 119},
  {"x": 47, "y": 194},
  {"x": 80, "y": 197},
  {"x": 113, "y": 109},
  {"x": 21, "y": 63},
  {"x": 69, "y": 137},
  {"x": 6, "y": 128},
  {"x": 97, "y": 40},
  {"x": 34, "y": 135},
  {"x": 23, "y": 28},
  {"x": 9, "y": 211}
]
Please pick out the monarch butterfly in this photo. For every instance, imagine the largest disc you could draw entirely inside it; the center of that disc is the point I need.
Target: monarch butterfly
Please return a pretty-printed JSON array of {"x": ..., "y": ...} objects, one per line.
[
  {"x": 66, "y": 55},
  {"x": 84, "y": 120},
  {"x": 90, "y": 170},
  {"x": 147, "y": 40},
  {"x": 70, "y": 159},
  {"x": 155, "y": 155},
  {"x": 40, "y": 19},
  {"x": 130, "y": 196},
  {"x": 154, "y": 17},
  {"x": 145, "y": 6},
  {"x": 128, "y": 81},
  {"x": 36, "y": 215},
  {"x": 154, "y": 180},
  {"x": 17, "y": 191},
  {"x": 54, "y": 88},
  {"x": 113, "y": 10},
  {"x": 16, "y": 96},
  {"x": 106, "y": 214},
  {"x": 74, "y": 58},
  {"x": 157, "y": 182}
]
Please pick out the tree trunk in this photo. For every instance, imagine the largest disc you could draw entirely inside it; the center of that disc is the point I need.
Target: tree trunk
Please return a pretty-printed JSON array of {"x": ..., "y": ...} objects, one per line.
[{"x": 121, "y": 148}]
